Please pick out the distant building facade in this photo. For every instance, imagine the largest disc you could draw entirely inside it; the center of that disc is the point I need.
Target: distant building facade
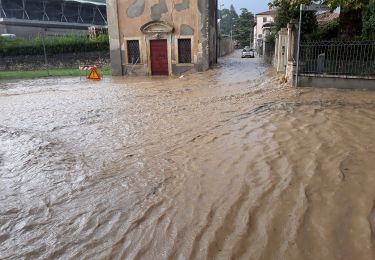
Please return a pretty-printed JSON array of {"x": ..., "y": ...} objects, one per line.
[
  {"x": 264, "y": 25},
  {"x": 29, "y": 18},
  {"x": 159, "y": 37}
]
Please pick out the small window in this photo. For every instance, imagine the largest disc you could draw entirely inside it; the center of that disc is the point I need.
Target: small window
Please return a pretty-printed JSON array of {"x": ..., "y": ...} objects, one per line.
[
  {"x": 184, "y": 51},
  {"x": 264, "y": 19},
  {"x": 134, "y": 56}
]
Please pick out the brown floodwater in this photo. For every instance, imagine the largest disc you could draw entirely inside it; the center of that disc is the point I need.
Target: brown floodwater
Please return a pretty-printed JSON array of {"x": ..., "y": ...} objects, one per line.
[{"x": 226, "y": 164}]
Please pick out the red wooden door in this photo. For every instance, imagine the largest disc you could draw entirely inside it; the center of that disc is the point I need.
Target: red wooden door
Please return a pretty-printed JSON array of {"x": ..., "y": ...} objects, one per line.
[{"x": 159, "y": 57}]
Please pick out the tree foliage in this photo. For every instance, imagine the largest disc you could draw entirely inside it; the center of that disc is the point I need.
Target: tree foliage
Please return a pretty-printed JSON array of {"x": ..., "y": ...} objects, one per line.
[
  {"x": 368, "y": 30},
  {"x": 286, "y": 12},
  {"x": 228, "y": 17},
  {"x": 243, "y": 28},
  {"x": 350, "y": 17}
]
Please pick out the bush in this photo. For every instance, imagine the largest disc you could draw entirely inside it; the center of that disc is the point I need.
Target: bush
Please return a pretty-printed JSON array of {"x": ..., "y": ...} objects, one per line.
[
  {"x": 54, "y": 45},
  {"x": 330, "y": 30},
  {"x": 271, "y": 38},
  {"x": 368, "y": 29},
  {"x": 326, "y": 32}
]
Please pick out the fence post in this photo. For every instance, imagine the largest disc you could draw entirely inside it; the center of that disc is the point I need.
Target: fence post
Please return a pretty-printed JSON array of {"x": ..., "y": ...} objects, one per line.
[{"x": 45, "y": 52}]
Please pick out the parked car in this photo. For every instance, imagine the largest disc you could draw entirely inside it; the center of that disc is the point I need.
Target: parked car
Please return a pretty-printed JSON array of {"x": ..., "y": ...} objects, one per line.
[{"x": 248, "y": 53}]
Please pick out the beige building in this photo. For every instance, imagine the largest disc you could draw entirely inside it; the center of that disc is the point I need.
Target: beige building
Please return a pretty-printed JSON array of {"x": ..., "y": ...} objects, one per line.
[
  {"x": 162, "y": 37},
  {"x": 264, "y": 24}
]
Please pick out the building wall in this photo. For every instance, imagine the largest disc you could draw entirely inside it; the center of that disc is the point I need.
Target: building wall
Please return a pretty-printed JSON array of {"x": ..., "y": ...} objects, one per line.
[{"x": 192, "y": 19}]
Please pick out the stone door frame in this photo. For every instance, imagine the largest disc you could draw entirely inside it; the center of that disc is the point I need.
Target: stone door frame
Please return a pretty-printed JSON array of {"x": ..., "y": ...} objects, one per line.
[{"x": 158, "y": 30}]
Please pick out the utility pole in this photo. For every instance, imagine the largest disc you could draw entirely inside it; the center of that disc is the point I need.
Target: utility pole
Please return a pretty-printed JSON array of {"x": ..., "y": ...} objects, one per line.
[
  {"x": 299, "y": 43},
  {"x": 251, "y": 35},
  {"x": 312, "y": 7}
]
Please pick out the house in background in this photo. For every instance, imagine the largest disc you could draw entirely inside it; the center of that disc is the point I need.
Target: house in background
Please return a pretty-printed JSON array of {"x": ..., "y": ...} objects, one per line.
[
  {"x": 264, "y": 25},
  {"x": 158, "y": 37},
  {"x": 326, "y": 17}
]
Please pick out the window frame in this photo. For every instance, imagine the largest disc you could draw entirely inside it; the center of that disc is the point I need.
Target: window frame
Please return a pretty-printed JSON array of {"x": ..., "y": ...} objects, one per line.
[
  {"x": 127, "y": 51},
  {"x": 178, "y": 53}
]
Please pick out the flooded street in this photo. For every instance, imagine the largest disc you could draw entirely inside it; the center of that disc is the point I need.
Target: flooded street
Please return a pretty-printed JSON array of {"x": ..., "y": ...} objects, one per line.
[{"x": 226, "y": 164}]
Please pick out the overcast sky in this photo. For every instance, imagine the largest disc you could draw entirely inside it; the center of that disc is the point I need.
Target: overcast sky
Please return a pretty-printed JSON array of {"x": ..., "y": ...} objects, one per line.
[{"x": 254, "y": 6}]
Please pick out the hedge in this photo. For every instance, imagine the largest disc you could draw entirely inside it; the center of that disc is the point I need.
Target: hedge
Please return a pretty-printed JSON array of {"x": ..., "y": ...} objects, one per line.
[{"x": 54, "y": 45}]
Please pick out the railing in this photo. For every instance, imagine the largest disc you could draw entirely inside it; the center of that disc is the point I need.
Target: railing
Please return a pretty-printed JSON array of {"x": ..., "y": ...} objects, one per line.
[{"x": 349, "y": 58}]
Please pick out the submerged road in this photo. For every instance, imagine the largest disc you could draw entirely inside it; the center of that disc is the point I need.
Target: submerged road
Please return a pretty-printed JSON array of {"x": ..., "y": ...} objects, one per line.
[{"x": 226, "y": 164}]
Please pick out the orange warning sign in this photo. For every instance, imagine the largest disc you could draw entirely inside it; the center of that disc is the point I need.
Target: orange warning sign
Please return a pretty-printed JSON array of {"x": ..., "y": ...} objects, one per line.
[{"x": 94, "y": 74}]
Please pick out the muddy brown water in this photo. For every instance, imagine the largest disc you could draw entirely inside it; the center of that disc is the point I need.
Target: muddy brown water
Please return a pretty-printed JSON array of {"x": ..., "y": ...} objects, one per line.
[{"x": 226, "y": 164}]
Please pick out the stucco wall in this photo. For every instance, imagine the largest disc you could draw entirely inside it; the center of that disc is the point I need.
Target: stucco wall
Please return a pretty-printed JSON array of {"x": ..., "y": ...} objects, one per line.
[{"x": 193, "y": 19}]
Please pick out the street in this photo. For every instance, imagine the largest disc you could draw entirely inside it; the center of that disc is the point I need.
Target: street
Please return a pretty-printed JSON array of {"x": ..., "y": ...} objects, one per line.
[{"x": 225, "y": 164}]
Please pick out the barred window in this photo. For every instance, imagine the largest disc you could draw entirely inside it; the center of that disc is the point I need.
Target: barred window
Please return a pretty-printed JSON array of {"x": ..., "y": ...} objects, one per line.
[
  {"x": 134, "y": 56},
  {"x": 184, "y": 50}
]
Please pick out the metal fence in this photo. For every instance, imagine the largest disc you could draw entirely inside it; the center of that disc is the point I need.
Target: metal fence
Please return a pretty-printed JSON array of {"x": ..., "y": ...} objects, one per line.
[{"x": 345, "y": 58}]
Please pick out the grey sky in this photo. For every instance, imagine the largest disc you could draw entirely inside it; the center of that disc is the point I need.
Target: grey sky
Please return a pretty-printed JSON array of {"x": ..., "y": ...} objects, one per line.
[{"x": 254, "y": 6}]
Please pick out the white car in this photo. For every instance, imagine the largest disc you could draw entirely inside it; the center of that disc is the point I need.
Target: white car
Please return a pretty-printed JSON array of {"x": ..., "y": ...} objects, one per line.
[{"x": 248, "y": 53}]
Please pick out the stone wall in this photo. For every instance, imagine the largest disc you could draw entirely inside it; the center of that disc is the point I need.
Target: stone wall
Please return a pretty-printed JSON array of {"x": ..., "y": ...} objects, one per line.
[
  {"x": 226, "y": 46},
  {"x": 67, "y": 60},
  {"x": 285, "y": 52}
]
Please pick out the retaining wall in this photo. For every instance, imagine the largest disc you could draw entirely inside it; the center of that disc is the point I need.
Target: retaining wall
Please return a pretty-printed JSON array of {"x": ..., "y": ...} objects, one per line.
[
  {"x": 342, "y": 82},
  {"x": 59, "y": 61},
  {"x": 226, "y": 46}
]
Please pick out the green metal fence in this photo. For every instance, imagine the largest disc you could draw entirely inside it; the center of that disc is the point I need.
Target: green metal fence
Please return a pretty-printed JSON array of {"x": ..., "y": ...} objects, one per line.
[{"x": 346, "y": 58}]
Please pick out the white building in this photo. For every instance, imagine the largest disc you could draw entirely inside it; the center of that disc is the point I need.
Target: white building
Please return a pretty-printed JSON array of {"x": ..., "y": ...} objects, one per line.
[{"x": 264, "y": 23}]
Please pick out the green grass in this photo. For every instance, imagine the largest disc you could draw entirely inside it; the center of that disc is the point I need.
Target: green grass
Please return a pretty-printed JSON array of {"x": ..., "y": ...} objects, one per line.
[{"x": 32, "y": 74}]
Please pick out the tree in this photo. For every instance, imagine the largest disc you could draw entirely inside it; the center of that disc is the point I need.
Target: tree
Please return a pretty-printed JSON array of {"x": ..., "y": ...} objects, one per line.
[
  {"x": 350, "y": 16},
  {"x": 243, "y": 28},
  {"x": 369, "y": 21},
  {"x": 228, "y": 17},
  {"x": 287, "y": 11}
]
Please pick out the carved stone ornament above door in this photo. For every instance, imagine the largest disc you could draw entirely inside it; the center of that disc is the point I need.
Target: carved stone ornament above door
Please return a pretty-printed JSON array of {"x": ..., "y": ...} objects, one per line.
[{"x": 157, "y": 27}]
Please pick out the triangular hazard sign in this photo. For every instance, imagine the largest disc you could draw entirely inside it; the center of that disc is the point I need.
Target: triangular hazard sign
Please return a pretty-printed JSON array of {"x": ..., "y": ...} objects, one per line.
[{"x": 94, "y": 75}]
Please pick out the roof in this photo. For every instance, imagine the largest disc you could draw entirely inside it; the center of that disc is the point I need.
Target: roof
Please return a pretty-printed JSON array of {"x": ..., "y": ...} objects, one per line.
[
  {"x": 269, "y": 12},
  {"x": 268, "y": 25},
  {"x": 94, "y": 2},
  {"x": 326, "y": 17}
]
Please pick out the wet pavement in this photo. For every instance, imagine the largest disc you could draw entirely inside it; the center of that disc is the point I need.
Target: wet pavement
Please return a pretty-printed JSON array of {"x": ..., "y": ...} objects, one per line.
[{"x": 226, "y": 164}]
